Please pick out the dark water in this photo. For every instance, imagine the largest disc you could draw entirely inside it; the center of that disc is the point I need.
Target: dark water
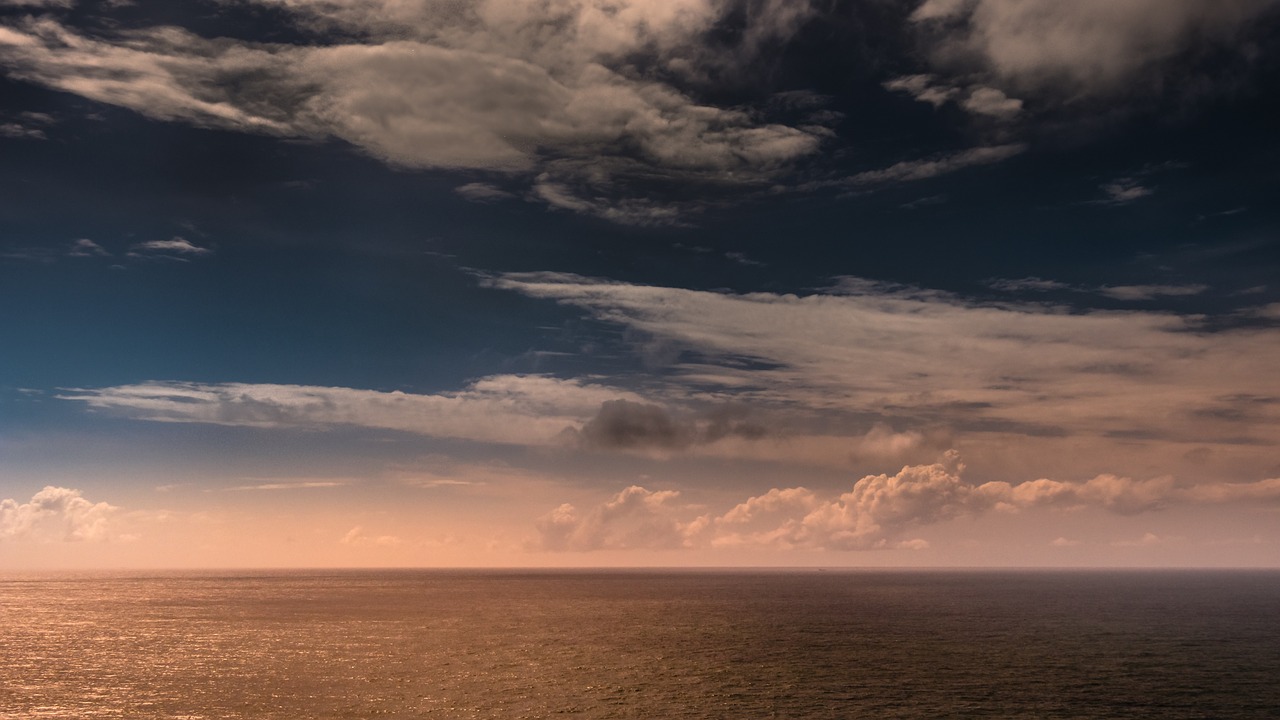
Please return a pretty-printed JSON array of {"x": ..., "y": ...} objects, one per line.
[{"x": 647, "y": 644}]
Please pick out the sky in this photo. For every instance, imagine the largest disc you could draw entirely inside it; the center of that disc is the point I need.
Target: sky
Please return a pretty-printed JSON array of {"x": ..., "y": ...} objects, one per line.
[{"x": 518, "y": 283}]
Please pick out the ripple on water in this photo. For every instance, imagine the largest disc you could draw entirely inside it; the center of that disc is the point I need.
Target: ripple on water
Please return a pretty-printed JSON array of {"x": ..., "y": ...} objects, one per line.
[{"x": 641, "y": 644}]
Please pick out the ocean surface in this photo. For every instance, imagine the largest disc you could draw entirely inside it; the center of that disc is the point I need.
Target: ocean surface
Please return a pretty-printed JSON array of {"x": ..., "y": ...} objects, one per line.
[{"x": 641, "y": 644}]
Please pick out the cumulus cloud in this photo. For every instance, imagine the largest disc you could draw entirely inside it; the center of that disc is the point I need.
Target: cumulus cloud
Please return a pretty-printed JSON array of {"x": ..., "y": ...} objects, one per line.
[
  {"x": 774, "y": 518},
  {"x": 635, "y": 518},
  {"x": 879, "y": 512},
  {"x": 517, "y": 409},
  {"x": 549, "y": 92},
  {"x": 56, "y": 514}
]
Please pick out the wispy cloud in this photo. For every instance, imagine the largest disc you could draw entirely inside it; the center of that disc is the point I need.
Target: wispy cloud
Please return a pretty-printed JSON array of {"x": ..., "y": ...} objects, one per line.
[
  {"x": 935, "y": 357},
  {"x": 1150, "y": 292},
  {"x": 14, "y": 130},
  {"x": 1123, "y": 191},
  {"x": 516, "y": 409},
  {"x": 1115, "y": 292},
  {"x": 922, "y": 88},
  {"x": 976, "y": 99},
  {"x": 56, "y": 514},
  {"x": 1028, "y": 283},
  {"x": 176, "y": 246},
  {"x": 482, "y": 192},
  {"x": 81, "y": 248},
  {"x": 85, "y": 247},
  {"x": 358, "y": 537},
  {"x": 291, "y": 485},
  {"x": 913, "y": 170}
]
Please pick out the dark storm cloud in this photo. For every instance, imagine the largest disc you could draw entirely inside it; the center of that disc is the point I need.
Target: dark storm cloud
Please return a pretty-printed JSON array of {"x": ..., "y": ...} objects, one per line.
[{"x": 627, "y": 425}]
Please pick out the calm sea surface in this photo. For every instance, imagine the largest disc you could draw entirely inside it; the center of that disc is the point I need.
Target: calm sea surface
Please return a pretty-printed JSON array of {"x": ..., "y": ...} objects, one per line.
[{"x": 642, "y": 644}]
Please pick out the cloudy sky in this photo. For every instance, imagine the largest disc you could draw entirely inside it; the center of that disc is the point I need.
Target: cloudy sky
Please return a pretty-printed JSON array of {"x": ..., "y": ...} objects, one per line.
[{"x": 639, "y": 282}]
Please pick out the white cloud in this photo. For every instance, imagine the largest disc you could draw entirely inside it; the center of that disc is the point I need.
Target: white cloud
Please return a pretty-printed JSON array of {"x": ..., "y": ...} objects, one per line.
[
  {"x": 977, "y": 99},
  {"x": 881, "y": 506},
  {"x": 520, "y": 410},
  {"x": 1121, "y": 495},
  {"x": 175, "y": 246},
  {"x": 921, "y": 88},
  {"x": 1264, "y": 491},
  {"x": 911, "y": 170},
  {"x": 517, "y": 409},
  {"x": 291, "y": 485},
  {"x": 1124, "y": 191},
  {"x": 773, "y": 518},
  {"x": 358, "y": 537},
  {"x": 940, "y": 9},
  {"x": 992, "y": 102},
  {"x": 85, "y": 247},
  {"x": 635, "y": 518},
  {"x": 19, "y": 131},
  {"x": 938, "y": 358},
  {"x": 875, "y": 514},
  {"x": 55, "y": 514},
  {"x": 541, "y": 90},
  {"x": 482, "y": 192},
  {"x": 1077, "y": 48}
]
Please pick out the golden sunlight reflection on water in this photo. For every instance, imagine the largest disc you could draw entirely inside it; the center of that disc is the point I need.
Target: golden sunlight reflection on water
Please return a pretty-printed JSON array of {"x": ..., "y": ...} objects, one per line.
[{"x": 456, "y": 644}]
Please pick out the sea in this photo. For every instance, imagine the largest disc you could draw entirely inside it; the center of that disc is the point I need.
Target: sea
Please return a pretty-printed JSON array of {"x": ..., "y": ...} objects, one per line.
[{"x": 641, "y": 644}]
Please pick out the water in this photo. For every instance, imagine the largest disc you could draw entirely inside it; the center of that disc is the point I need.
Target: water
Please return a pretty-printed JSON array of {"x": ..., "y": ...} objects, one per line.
[{"x": 641, "y": 644}]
